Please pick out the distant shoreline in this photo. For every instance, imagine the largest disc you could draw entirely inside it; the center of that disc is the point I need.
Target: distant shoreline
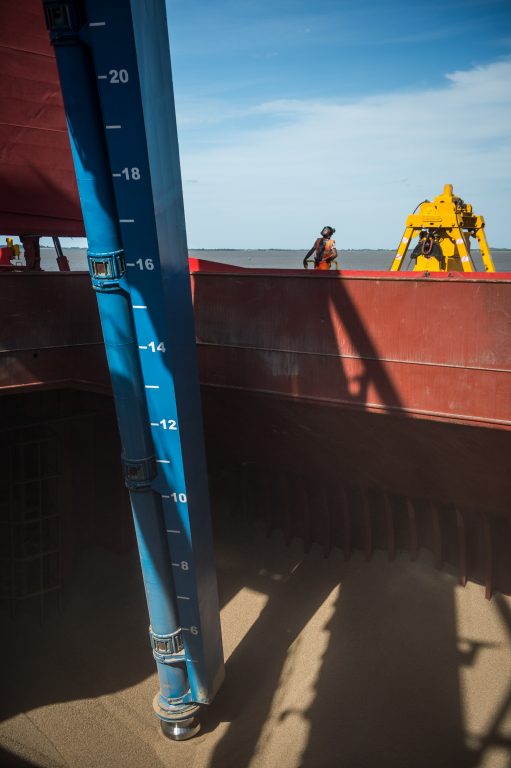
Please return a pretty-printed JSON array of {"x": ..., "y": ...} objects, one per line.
[
  {"x": 376, "y": 259},
  {"x": 277, "y": 250}
]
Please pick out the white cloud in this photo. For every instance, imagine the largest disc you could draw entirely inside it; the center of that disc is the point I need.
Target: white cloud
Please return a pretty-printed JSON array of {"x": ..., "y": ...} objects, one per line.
[{"x": 362, "y": 165}]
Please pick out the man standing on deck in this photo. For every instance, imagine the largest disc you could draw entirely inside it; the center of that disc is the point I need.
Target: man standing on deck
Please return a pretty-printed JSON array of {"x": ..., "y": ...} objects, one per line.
[{"x": 324, "y": 250}]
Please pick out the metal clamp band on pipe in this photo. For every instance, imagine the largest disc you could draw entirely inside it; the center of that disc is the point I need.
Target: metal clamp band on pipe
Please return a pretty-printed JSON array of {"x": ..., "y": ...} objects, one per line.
[
  {"x": 64, "y": 20},
  {"x": 106, "y": 269},
  {"x": 138, "y": 473},
  {"x": 167, "y": 648}
]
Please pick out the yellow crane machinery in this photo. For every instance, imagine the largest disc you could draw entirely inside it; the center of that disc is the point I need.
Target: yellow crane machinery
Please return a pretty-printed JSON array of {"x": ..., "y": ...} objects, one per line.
[{"x": 444, "y": 227}]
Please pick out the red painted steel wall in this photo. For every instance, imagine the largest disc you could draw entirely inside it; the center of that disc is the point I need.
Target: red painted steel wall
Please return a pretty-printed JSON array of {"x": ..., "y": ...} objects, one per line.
[
  {"x": 428, "y": 347},
  {"x": 38, "y": 191},
  {"x": 292, "y": 367},
  {"x": 437, "y": 349},
  {"x": 51, "y": 335}
]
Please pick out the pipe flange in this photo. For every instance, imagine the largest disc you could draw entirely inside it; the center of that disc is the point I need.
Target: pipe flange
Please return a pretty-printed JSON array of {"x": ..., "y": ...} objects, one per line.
[{"x": 179, "y": 722}]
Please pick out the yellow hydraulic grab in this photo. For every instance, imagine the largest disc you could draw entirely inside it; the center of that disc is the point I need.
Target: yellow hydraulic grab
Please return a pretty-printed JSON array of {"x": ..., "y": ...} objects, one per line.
[{"x": 445, "y": 227}]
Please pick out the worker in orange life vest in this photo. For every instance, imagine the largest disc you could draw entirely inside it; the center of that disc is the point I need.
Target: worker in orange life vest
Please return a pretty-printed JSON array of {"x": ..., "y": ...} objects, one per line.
[{"x": 324, "y": 250}]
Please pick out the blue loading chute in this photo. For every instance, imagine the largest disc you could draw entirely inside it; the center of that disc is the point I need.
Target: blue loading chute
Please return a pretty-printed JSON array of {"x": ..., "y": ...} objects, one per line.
[{"x": 114, "y": 64}]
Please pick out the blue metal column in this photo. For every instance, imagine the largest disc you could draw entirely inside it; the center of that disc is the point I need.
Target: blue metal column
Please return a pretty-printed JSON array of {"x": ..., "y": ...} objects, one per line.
[{"x": 122, "y": 128}]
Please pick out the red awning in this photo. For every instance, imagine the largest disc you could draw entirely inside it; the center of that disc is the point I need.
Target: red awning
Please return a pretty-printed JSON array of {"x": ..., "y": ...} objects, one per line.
[{"x": 38, "y": 193}]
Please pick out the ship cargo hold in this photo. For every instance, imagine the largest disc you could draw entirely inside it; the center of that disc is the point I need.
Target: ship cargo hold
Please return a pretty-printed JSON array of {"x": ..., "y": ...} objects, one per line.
[{"x": 354, "y": 410}]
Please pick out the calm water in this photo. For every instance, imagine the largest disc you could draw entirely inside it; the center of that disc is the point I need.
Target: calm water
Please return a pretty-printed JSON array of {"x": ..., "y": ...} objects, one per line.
[{"x": 275, "y": 259}]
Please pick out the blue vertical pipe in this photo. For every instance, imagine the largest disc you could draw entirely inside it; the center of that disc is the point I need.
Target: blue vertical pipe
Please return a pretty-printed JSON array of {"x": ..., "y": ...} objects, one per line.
[{"x": 106, "y": 262}]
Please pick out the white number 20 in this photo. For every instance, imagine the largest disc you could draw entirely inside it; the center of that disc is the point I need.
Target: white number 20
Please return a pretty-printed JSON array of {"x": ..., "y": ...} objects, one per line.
[{"x": 119, "y": 76}]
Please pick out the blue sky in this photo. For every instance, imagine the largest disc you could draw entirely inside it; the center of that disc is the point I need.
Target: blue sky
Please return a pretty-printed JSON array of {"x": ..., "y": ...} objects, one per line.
[
  {"x": 298, "y": 49},
  {"x": 292, "y": 114}
]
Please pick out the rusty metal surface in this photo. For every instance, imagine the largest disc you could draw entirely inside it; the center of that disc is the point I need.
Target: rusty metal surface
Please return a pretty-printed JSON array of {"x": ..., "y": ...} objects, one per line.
[
  {"x": 431, "y": 348},
  {"x": 361, "y": 440},
  {"x": 61, "y": 490},
  {"x": 364, "y": 481},
  {"x": 364, "y": 342},
  {"x": 30, "y": 517},
  {"x": 51, "y": 336},
  {"x": 357, "y": 411},
  {"x": 352, "y": 517}
]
